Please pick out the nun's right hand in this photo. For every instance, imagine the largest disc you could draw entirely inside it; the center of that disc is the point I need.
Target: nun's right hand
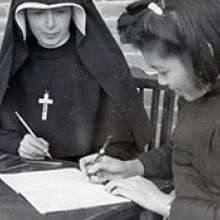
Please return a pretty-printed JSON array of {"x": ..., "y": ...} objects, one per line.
[{"x": 33, "y": 148}]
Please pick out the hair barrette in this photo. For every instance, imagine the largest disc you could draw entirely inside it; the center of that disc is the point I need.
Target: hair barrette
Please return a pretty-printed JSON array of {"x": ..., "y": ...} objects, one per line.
[{"x": 155, "y": 8}]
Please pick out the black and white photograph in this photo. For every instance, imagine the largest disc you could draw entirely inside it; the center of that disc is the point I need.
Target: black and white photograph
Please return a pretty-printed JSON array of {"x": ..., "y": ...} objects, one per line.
[{"x": 109, "y": 109}]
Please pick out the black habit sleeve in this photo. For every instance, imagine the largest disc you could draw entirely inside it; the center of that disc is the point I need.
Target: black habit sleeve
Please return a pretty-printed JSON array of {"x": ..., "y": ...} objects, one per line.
[{"x": 9, "y": 141}]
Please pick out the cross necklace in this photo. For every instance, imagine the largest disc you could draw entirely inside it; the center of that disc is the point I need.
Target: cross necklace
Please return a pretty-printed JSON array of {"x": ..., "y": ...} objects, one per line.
[{"x": 45, "y": 101}]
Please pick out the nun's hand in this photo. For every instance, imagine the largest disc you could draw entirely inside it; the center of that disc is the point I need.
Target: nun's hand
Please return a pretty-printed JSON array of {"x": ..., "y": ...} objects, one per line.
[
  {"x": 33, "y": 148},
  {"x": 143, "y": 192},
  {"x": 108, "y": 168}
]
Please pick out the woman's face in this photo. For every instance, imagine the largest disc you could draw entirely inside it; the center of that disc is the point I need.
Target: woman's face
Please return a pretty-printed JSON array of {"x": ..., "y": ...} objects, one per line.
[
  {"x": 49, "y": 26},
  {"x": 175, "y": 72}
]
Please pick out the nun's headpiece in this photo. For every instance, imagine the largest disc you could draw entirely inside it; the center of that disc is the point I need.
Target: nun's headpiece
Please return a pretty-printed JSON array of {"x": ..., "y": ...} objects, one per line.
[{"x": 78, "y": 14}]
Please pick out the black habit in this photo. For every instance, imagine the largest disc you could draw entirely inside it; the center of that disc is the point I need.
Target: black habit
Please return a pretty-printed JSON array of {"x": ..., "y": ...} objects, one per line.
[{"x": 91, "y": 86}]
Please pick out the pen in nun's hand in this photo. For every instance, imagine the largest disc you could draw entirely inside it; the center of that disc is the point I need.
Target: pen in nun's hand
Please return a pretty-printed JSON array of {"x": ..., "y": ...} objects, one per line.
[
  {"x": 23, "y": 122},
  {"x": 102, "y": 150}
]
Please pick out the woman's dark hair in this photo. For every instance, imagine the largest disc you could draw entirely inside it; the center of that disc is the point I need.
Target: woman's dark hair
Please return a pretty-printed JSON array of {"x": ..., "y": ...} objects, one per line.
[{"x": 191, "y": 26}]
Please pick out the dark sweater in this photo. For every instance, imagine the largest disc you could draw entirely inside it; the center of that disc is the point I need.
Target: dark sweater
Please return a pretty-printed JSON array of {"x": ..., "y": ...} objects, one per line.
[{"x": 196, "y": 167}]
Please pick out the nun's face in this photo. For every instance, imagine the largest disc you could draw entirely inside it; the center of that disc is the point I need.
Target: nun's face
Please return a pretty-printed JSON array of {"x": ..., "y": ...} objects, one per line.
[{"x": 50, "y": 26}]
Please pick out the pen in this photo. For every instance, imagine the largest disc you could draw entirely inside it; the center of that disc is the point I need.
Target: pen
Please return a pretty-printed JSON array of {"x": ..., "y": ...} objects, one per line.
[
  {"x": 30, "y": 130},
  {"x": 102, "y": 150}
]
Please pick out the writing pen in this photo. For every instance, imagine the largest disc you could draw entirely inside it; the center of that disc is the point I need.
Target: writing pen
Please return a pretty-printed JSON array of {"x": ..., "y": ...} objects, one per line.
[
  {"x": 23, "y": 122},
  {"x": 102, "y": 150}
]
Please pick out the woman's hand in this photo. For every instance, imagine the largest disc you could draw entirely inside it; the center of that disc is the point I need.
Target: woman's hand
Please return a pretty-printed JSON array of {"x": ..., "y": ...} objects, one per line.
[
  {"x": 143, "y": 192},
  {"x": 108, "y": 168},
  {"x": 33, "y": 148}
]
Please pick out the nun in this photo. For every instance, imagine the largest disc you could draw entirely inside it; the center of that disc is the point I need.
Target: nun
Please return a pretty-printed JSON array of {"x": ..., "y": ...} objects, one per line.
[{"x": 62, "y": 71}]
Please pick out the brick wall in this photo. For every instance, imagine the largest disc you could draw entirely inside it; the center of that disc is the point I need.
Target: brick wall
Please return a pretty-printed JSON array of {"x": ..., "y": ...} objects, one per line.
[
  {"x": 110, "y": 10},
  {"x": 4, "y": 4}
]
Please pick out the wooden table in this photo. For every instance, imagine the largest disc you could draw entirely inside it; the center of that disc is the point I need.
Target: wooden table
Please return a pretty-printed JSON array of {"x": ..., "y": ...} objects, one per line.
[{"x": 14, "y": 206}]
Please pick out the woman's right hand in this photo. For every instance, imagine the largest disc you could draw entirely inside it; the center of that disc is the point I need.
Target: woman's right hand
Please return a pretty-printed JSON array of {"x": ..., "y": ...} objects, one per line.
[
  {"x": 33, "y": 148},
  {"x": 143, "y": 192},
  {"x": 108, "y": 168}
]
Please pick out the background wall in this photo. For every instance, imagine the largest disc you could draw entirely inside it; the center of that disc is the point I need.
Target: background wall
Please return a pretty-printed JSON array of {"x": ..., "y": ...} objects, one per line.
[{"x": 4, "y": 4}]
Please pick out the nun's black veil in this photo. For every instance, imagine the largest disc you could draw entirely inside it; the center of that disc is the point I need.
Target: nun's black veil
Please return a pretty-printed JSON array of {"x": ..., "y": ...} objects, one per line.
[{"x": 98, "y": 52}]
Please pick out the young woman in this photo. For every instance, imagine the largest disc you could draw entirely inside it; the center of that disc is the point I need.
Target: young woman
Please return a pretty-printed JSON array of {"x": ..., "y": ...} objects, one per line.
[
  {"x": 61, "y": 70},
  {"x": 181, "y": 41}
]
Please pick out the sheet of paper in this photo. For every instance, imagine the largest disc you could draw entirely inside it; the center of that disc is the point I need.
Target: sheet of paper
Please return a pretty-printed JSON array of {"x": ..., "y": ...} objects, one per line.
[{"x": 59, "y": 190}]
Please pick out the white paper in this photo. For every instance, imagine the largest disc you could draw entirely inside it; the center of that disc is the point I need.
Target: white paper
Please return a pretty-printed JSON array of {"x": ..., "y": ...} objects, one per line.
[{"x": 59, "y": 190}]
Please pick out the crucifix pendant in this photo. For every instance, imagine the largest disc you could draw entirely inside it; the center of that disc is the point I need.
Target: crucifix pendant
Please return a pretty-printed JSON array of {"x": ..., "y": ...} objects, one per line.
[{"x": 45, "y": 101}]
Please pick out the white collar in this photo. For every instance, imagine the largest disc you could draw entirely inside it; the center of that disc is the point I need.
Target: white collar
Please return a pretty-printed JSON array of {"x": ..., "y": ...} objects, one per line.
[{"x": 79, "y": 15}]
